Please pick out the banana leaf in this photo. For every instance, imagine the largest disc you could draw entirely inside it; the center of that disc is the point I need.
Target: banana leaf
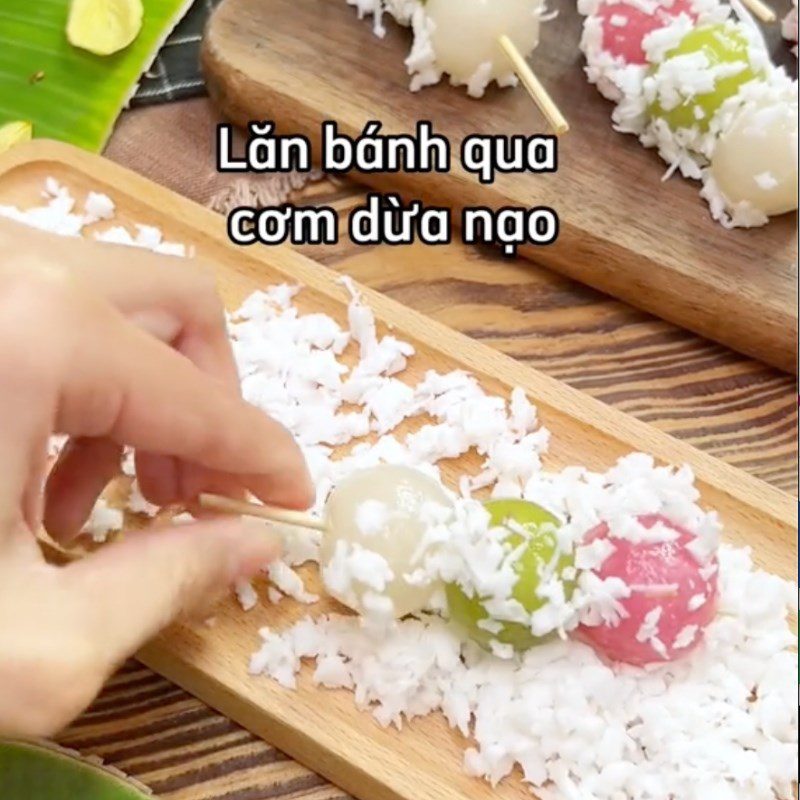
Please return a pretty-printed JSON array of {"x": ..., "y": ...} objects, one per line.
[
  {"x": 30, "y": 771},
  {"x": 65, "y": 92}
]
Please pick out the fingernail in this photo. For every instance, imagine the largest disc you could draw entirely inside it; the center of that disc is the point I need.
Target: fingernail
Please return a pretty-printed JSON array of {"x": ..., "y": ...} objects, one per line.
[{"x": 257, "y": 546}]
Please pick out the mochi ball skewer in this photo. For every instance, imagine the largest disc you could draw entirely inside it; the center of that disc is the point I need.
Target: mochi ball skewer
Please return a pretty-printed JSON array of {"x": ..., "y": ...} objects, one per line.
[
  {"x": 373, "y": 528},
  {"x": 699, "y": 86},
  {"x": 395, "y": 543}
]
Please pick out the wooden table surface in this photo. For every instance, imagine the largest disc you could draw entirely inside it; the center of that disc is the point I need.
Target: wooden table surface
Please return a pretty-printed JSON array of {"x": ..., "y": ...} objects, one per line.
[{"x": 724, "y": 403}]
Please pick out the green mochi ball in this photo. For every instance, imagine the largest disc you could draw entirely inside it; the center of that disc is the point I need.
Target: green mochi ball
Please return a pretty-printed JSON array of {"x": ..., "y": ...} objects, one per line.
[
  {"x": 721, "y": 44},
  {"x": 541, "y": 526}
]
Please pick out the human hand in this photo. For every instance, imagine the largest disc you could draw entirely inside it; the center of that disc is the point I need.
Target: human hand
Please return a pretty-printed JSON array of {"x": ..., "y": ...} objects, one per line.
[{"x": 115, "y": 346}]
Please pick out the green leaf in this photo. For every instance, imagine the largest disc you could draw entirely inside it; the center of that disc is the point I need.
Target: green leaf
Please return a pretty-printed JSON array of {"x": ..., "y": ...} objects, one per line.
[
  {"x": 39, "y": 772},
  {"x": 65, "y": 92}
]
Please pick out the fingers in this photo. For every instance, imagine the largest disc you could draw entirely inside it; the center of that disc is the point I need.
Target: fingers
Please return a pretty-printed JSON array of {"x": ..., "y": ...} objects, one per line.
[
  {"x": 165, "y": 480},
  {"x": 134, "y": 390},
  {"x": 96, "y": 375},
  {"x": 66, "y": 629},
  {"x": 83, "y": 469},
  {"x": 135, "y": 588},
  {"x": 161, "y": 403},
  {"x": 174, "y": 299},
  {"x": 26, "y": 409},
  {"x": 159, "y": 478},
  {"x": 177, "y": 302}
]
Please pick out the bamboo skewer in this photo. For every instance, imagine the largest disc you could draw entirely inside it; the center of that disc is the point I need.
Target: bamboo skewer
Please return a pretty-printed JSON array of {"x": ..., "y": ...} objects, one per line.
[
  {"x": 284, "y": 516},
  {"x": 761, "y": 10},
  {"x": 536, "y": 90}
]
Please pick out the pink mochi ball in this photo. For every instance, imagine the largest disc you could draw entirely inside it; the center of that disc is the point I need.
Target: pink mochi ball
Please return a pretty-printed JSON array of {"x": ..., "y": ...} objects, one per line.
[
  {"x": 625, "y": 26},
  {"x": 671, "y": 601}
]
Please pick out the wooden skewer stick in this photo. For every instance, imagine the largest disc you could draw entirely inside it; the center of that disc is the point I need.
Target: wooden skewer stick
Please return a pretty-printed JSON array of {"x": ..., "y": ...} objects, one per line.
[
  {"x": 761, "y": 10},
  {"x": 226, "y": 505},
  {"x": 534, "y": 86}
]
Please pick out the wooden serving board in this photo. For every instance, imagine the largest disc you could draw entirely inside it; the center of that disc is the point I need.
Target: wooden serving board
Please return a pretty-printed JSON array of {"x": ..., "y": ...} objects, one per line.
[
  {"x": 323, "y": 729},
  {"x": 653, "y": 244}
]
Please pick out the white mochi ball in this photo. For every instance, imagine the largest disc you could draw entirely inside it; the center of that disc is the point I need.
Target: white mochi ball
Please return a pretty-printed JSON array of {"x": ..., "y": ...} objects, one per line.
[
  {"x": 755, "y": 160},
  {"x": 375, "y": 526},
  {"x": 466, "y": 33}
]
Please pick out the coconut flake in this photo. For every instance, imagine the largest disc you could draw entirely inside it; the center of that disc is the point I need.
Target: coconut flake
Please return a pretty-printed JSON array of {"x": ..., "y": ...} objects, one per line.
[{"x": 103, "y": 521}]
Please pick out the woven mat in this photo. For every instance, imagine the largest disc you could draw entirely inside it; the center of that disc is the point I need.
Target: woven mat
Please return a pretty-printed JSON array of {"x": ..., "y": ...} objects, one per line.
[
  {"x": 175, "y": 74},
  {"x": 172, "y": 143}
]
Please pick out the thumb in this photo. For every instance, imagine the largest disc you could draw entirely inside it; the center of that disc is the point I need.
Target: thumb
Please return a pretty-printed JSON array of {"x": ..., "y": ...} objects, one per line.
[{"x": 134, "y": 589}]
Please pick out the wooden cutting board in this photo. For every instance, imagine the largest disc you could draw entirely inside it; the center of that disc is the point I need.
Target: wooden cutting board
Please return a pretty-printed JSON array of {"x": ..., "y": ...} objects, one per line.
[
  {"x": 323, "y": 729},
  {"x": 624, "y": 232}
]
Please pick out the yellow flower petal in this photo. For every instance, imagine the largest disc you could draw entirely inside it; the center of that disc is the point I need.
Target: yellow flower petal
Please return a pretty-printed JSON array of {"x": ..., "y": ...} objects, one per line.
[
  {"x": 104, "y": 26},
  {"x": 13, "y": 133}
]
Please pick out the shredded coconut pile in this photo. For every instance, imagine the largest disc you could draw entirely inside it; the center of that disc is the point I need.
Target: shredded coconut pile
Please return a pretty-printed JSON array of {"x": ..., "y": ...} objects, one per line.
[
  {"x": 59, "y": 215},
  {"x": 575, "y": 726},
  {"x": 719, "y": 723},
  {"x": 291, "y": 368}
]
